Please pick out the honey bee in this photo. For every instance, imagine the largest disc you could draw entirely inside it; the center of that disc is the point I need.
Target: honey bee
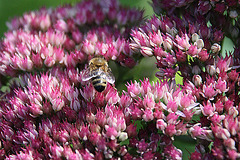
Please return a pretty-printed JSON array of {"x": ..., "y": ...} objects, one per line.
[{"x": 99, "y": 73}]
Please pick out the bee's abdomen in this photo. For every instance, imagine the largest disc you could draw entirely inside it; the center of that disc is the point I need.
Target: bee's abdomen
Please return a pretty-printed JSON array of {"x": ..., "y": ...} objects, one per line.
[{"x": 99, "y": 83}]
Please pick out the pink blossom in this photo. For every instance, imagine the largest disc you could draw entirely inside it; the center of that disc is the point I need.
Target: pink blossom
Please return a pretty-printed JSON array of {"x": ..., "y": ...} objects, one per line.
[
  {"x": 207, "y": 109},
  {"x": 50, "y": 112},
  {"x": 111, "y": 132},
  {"x": 183, "y": 42},
  {"x": 209, "y": 91},
  {"x": 161, "y": 124},
  {"x": 147, "y": 115},
  {"x": 133, "y": 88}
]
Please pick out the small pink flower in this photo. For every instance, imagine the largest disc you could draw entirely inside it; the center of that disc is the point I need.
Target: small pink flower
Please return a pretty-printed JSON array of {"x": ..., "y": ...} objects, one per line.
[
  {"x": 111, "y": 132},
  {"x": 142, "y": 145},
  {"x": 36, "y": 59},
  {"x": 170, "y": 130},
  {"x": 148, "y": 103},
  {"x": 77, "y": 36},
  {"x": 209, "y": 91},
  {"x": 133, "y": 88},
  {"x": 44, "y": 21},
  {"x": 223, "y": 64},
  {"x": 221, "y": 85},
  {"x": 207, "y": 109},
  {"x": 181, "y": 56},
  {"x": 172, "y": 106},
  {"x": 156, "y": 38},
  {"x": 158, "y": 114},
  {"x": 125, "y": 100},
  {"x": 147, "y": 115},
  {"x": 122, "y": 151},
  {"x": 171, "y": 118},
  {"x": 192, "y": 50},
  {"x": 61, "y": 25},
  {"x": 161, "y": 124},
  {"x": 159, "y": 52},
  {"x": 84, "y": 133},
  {"x": 88, "y": 47},
  {"x": 217, "y": 119},
  {"x": 57, "y": 104},
  {"x": 203, "y": 55},
  {"x": 94, "y": 138},
  {"x": 69, "y": 154},
  {"x": 101, "y": 118},
  {"x": 36, "y": 109},
  {"x": 186, "y": 100},
  {"x": 196, "y": 156},
  {"x": 196, "y": 131},
  {"x": 183, "y": 42},
  {"x": 112, "y": 95},
  {"x": 171, "y": 152},
  {"x": 233, "y": 75},
  {"x": 136, "y": 113},
  {"x": 231, "y": 124},
  {"x": 49, "y": 61}
]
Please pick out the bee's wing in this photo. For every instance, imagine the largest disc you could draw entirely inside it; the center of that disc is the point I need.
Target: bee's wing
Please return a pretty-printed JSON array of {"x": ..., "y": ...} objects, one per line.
[
  {"x": 109, "y": 76},
  {"x": 87, "y": 74}
]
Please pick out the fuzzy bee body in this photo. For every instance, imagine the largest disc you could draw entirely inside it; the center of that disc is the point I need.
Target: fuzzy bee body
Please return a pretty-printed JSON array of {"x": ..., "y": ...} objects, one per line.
[
  {"x": 98, "y": 73},
  {"x": 99, "y": 83}
]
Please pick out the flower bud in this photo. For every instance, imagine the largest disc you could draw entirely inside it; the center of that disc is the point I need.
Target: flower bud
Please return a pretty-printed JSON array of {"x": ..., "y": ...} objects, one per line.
[
  {"x": 200, "y": 43},
  {"x": 167, "y": 44},
  {"x": 123, "y": 136},
  {"x": 197, "y": 80},
  {"x": 233, "y": 14},
  {"x": 161, "y": 124},
  {"x": 211, "y": 69},
  {"x": 195, "y": 37},
  {"x": 196, "y": 70},
  {"x": 215, "y": 48},
  {"x": 146, "y": 51}
]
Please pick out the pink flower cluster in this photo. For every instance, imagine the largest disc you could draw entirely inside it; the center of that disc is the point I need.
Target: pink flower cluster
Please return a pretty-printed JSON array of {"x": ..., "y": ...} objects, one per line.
[
  {"x": 51, "y": 113},
  {"x": 223, "y": 15},
  {"x": 192, "y": 50},
  {"x": 61, "y": 120},
  {"x": 68, "y": 36},
  {"x": 175, "y": 47}
]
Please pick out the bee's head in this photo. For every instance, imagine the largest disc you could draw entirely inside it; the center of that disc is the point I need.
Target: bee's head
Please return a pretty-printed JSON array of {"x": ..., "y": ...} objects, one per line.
[{"x": 98, "y": 61}]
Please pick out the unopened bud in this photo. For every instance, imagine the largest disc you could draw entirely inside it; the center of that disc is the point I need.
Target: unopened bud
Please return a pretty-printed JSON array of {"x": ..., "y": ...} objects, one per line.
[
  {"x": 215, "y": 48},
  {"x": 123, "y": 136},
  {"x": 167, "y": 44},
  {"x": 197, "y": 80},
  {"x": 195, "y": 37},
  {"x": 196, "y": 70},
  {"x": 233, "y": 14},
  {"x": 200, "y": 43},
  {"x": 211, "y": 69}
]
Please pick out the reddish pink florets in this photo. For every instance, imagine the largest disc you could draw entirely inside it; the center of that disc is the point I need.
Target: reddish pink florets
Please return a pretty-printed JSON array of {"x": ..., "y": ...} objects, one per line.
[{"x": 50, "y": 112}]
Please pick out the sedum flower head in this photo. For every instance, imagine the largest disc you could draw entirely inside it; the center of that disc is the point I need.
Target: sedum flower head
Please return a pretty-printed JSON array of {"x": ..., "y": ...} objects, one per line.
[
  {"x": 51, "y": 113},
  {"x": 56, "y": 37}
]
